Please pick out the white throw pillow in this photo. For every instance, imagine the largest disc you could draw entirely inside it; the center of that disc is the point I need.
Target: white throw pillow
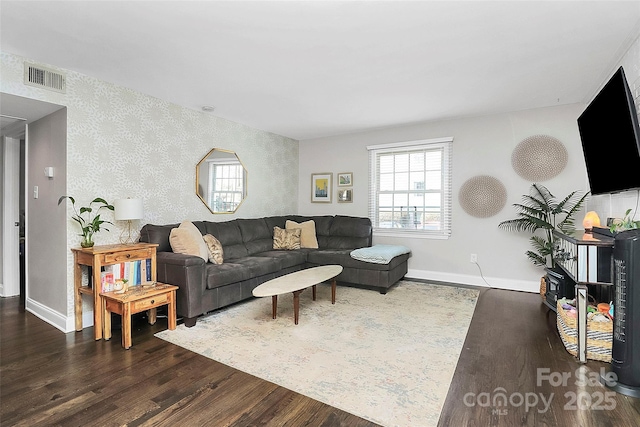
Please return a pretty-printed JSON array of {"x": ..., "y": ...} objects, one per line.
[
  {"x": 187, "y": 239},
  {"x": 308, "y": 237}
]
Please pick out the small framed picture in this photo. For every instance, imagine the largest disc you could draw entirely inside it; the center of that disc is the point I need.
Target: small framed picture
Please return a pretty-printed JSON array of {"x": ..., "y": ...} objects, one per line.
[
  {"x": 345, "y": 179},
  {"x": 321, "y": 187},
  {"x": 345, "y": 195}
]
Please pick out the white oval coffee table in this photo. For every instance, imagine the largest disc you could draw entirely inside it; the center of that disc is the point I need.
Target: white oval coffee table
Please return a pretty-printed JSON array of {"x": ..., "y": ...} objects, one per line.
[{"x": 297, "y": 282}]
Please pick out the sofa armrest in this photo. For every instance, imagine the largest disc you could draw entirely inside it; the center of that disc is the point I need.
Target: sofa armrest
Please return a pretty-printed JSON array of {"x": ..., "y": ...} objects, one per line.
[{"x": 187, "y": 272}]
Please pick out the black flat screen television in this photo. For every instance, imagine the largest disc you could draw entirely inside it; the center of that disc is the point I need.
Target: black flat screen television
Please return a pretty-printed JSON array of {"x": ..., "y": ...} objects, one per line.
[{"x": 611, "y": 138}]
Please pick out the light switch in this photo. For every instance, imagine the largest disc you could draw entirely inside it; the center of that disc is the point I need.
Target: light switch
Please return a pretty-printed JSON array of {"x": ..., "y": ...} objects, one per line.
[
  {"x": 35, "y": 191},
  {"x": 48, "y": 172}
]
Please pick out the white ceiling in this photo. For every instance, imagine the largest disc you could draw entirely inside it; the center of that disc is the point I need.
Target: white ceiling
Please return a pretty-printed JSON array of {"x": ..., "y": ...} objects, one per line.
[{"x": 308, "y": 69}]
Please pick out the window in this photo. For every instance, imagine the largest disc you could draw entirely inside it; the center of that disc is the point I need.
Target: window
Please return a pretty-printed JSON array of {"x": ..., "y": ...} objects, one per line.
[
  {"x": 225, "y": 186},
  {"x": 410, "y": 188}
]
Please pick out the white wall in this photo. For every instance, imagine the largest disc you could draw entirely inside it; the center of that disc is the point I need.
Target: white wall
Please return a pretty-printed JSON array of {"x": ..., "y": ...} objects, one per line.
[
  {"x": 47, "y": 240},
  {"x": 122, "y": 143},
  {"x": 481, "y": 146}
]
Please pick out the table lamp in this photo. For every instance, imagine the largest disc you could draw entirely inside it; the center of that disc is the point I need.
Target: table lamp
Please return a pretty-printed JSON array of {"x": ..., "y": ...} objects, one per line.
[{"x": 127, "y": 210}]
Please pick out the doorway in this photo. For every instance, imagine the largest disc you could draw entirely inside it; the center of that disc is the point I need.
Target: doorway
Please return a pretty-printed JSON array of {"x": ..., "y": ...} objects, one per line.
[{"x": 16, "y": 113}]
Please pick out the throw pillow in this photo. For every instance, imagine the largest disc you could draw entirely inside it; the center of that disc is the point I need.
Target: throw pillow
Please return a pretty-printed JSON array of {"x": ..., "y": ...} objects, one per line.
[
  {"x": 215, "y": 249},
  {"x": 187, "y": 239},
  {"x": 286, "y": 239},
  {"x": 182, "y": 242},
  {"x": 308, "y": 237}
]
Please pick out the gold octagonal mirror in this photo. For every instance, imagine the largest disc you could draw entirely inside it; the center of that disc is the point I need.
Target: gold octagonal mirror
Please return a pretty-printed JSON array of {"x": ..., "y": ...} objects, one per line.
[{"x": 221, "y": 181}]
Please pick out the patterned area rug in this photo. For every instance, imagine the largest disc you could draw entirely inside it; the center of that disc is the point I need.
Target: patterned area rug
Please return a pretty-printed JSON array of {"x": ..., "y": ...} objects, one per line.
[{"x": 386, "y": 358}]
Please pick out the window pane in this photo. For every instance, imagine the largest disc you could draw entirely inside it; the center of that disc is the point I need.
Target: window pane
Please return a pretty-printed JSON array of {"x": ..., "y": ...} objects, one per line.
[
  {"x": 386, "y": 182},
  {"x": 401, "y": 181},
  {"x": 400, "y": 200},
  {"x": 401, "y": 162},
  {"x": 386, "y": 164},
  {"x": 433, "y": 181}
]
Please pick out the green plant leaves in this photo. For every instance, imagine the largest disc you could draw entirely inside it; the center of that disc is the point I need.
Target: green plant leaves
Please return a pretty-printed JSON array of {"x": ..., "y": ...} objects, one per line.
[{"x": 540, "y": 210}]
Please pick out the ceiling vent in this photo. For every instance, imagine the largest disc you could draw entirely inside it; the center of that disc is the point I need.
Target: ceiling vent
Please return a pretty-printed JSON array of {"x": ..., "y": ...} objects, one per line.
[{"x": 44, "y": 77}]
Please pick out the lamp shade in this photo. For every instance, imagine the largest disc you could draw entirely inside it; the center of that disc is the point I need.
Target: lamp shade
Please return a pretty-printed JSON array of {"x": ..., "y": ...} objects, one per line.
[{"x": 128, "y": 209}]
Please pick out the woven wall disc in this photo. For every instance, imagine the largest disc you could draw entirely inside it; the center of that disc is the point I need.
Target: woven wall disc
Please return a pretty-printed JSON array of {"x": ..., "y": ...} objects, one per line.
[
  {"x": 539, "y": 158},
  {"x": 482, "y": 196}
]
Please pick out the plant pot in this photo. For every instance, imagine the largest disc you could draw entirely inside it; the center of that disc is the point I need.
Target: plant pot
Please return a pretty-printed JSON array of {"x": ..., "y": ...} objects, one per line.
[{"x": 87, "y": 241}]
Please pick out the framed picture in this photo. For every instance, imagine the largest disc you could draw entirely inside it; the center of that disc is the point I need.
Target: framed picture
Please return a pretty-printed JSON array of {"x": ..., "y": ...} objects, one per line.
[
  {"x": 345, "y": 179},
  {"x": 321, "y": 187},
  {"x": 345, "y": 195}
]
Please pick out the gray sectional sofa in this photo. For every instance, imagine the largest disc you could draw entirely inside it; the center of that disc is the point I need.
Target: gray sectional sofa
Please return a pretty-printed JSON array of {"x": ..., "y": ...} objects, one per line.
[{"x": 249, "y": 260}]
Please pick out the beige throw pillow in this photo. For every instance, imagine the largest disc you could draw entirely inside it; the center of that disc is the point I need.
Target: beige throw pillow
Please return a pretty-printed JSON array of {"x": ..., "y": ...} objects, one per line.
[
  {"x": 187, "y": 239},
  {"x": 215, "y": 249},
  {"x": 286, "y": 239},
  {"x": 308, "y": 237}
]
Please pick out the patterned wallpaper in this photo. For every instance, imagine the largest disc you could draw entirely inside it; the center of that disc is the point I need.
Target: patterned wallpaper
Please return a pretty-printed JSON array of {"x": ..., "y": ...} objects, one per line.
[{"x": 122, "y": 143}]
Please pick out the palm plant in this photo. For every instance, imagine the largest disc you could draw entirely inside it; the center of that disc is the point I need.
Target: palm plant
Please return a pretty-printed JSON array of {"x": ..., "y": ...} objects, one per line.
[{"x": 541, "y": 211}]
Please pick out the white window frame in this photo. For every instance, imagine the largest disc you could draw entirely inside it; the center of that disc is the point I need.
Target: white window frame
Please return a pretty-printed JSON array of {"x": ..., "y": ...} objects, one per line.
[{"x": 445, "y": 145}]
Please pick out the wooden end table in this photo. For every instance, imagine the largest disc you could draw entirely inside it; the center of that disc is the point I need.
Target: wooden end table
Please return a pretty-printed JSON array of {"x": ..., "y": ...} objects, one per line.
[
  {"x": 96, "y": 257},
  {"x": 135, "y": 301}
]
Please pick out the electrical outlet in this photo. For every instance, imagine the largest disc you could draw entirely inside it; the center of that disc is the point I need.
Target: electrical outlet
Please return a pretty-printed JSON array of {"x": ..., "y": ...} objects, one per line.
[{"x": 474, "y": 258}]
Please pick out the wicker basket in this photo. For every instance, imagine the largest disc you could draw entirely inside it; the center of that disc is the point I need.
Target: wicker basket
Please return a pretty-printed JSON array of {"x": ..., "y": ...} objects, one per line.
[
  {"x": 599, "y": 336},
  {"x": 543, "y": 288}
]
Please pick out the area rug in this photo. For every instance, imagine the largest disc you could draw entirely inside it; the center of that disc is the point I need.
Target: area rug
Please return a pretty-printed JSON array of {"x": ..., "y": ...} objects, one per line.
[{"x": 386, "y": 358}]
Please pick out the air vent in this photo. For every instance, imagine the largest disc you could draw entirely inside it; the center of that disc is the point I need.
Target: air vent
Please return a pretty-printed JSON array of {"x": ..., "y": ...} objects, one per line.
[{"x": 45, "y": 78}]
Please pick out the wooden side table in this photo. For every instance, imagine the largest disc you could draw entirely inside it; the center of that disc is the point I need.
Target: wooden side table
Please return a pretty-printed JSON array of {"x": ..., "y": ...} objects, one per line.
[
  {"x": 95, "y": 258},
  {"x": 135, "y": 301}
]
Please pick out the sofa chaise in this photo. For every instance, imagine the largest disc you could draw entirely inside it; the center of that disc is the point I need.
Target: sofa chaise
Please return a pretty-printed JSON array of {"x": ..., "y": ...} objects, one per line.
[{"x": 250, "y": 260}]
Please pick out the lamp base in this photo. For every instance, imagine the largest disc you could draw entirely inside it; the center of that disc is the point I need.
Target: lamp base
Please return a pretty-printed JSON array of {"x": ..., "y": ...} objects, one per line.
[{"x": 125, "y": 236}]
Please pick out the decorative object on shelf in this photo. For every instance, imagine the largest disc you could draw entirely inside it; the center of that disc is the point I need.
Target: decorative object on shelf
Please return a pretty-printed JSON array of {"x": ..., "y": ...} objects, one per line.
[
  {"x": 121, "y": 286},
  {"x": 345, "y": 179},
  {"x": 128, "y": 210},
  {"x": 90, "y": 225},
  {"x": 626, "y": 223},
  {"x": 482, "y": 196},
  {"x": 221, "y": 181},
  {"x": 345, "y": 195},
  {"x": 591, "y": 219},
  {"x": 540, "y": 210},
  {"x": 321, "y": 187},
  {"x": 539, "y": 158}
]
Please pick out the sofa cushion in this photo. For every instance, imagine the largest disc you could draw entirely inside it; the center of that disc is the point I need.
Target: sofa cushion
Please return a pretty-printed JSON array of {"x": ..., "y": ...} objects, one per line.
[
  {"x": 216, "y": 253},
  {"x": 225, "y": 274},
  {"x": 286, "y": 239},
  {"x": 348, "y": 232},
  {"x": 259, "y": 266},
  {"x": 308, "y": 238},
  {"x": 228, "y": 233},
  {"x": 287, "y": 258},
  {"x": 186, "y": 239},
  {"x": 158, "y": 234},
  {"x": 257, "y": 236}
]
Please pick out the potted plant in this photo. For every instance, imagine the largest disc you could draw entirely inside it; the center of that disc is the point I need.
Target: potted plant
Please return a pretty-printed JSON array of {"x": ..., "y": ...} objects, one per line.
[
  {"x": 626, "y": 223},
  {"x": 541, "y": 211},
  {"x": 90, "y": 223}
]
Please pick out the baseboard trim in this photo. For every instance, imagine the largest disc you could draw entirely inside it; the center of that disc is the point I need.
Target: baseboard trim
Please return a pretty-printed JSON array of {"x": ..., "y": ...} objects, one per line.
[
  {"x": 464, "y": 279},
  {"x": 52, "y": 317},
  {"x": 56, "y": 319}
]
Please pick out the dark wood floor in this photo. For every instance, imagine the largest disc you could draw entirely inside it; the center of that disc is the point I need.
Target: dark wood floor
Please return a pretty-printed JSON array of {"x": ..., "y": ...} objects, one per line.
[{"x": 49, "y": 378}]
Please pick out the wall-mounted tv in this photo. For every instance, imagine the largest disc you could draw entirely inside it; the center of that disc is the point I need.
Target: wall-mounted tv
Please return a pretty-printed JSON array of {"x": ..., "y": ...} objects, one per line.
[{"x": 611, "y": 138}]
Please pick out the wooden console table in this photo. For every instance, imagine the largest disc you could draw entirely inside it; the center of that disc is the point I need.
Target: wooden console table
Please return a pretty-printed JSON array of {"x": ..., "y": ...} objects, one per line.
[
  {"x": 95, "y": 258},
  {"x": 135, "y": 301}
]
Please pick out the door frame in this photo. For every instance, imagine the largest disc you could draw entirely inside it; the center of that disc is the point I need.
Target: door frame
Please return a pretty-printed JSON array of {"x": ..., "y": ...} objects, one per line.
[{"x": 10, "y": 285}]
